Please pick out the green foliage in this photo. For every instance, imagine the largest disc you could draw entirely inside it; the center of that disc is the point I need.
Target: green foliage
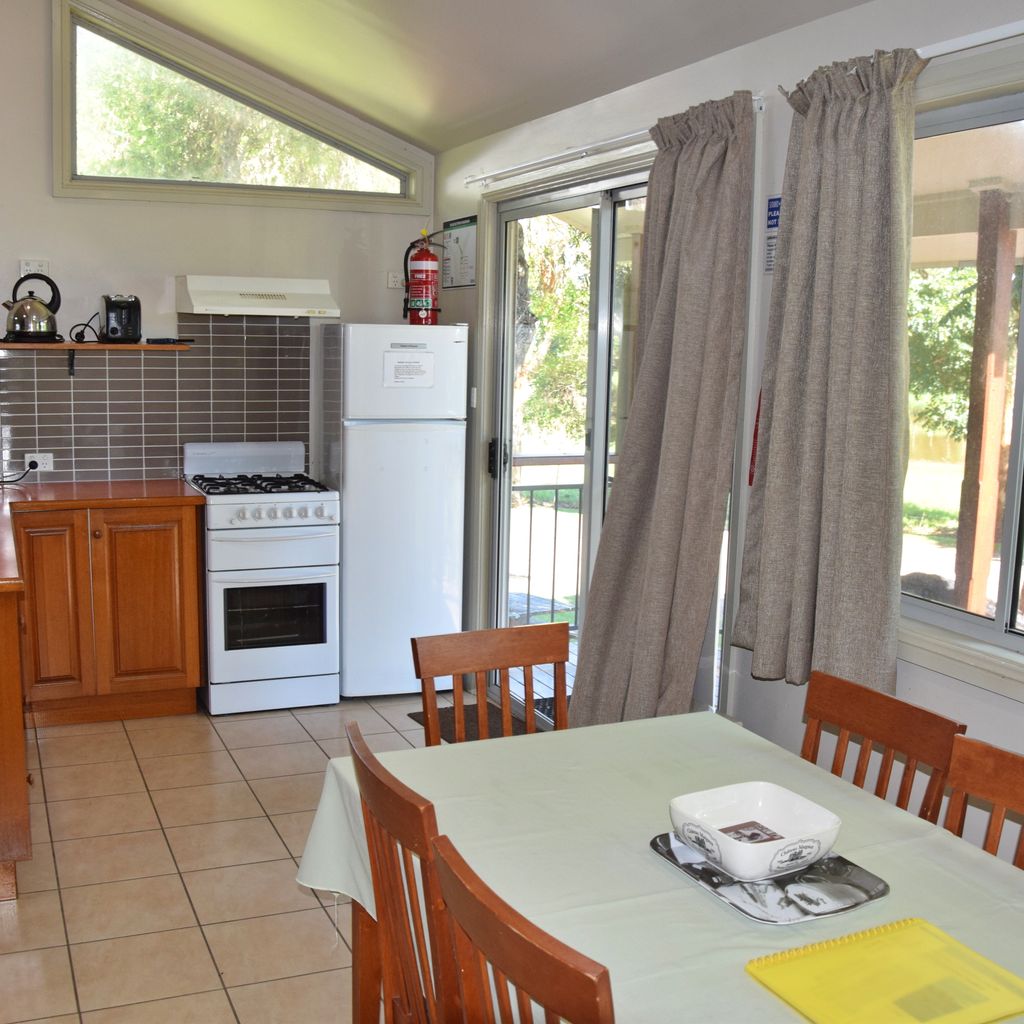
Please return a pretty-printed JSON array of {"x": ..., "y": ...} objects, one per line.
[
  {"x": 139, "y": 119},
  {"x": 941, "y": 336},
  {"x": 937, "y": 523},
  {"x": 558, "y": 264}
]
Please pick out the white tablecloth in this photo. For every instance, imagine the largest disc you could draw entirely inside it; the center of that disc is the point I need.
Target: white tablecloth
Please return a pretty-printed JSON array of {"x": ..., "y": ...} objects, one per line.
[{"x": 559, "y": 825}]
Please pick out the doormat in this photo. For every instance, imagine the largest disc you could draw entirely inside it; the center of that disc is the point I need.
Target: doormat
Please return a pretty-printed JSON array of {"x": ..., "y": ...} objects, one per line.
[{"x": 446, "y": 719}]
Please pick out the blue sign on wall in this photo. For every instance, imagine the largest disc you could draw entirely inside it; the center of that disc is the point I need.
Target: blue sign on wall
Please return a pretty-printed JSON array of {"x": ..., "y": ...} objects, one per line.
[{"x": 774, "y": 208}]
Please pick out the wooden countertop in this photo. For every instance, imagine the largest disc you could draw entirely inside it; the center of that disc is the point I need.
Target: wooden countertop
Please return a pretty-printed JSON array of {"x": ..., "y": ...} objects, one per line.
[{"x": 91, "y": 493}]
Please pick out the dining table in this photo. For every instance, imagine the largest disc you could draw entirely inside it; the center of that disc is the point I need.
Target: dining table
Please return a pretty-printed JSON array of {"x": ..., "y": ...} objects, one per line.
[{"x": 559, "y": 824}]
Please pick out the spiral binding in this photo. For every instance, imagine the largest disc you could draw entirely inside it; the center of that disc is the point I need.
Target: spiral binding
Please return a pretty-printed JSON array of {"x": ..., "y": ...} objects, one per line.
[{"x": 790, "y": 954}]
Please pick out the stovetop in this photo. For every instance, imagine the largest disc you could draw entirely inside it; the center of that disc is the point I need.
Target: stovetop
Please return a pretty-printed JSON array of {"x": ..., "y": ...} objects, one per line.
[{"x": 256, "y": 483}]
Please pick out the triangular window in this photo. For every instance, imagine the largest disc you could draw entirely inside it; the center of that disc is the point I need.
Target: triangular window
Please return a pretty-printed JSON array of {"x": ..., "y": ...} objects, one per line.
[{"x": 137, "y": 117}]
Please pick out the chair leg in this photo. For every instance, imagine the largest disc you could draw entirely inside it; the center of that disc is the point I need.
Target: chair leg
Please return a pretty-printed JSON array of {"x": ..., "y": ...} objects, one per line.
[{"x": 365, "y": 967}]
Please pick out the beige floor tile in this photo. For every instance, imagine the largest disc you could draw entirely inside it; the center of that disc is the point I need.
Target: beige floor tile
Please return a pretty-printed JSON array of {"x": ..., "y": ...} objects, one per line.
[
  {"x": 222, "y": 843},
  {"x": 287, "y": 759},
  {"x": 266, "y": 948},
  {"x": 92, "y": 780},
  {"x": 325, "y": 998},
  {"x": 79, "y": 729},
  {"x": 133, "y": 907},
  {"x": 68, "y": 1018},
  {"x": 134, "y": 725},
  {"x": 34, "y": 984},
  {"x": 397, "y": 713},
  {"x": 37, "y": 874},
  {"x": 294, "y": 829},
  {"x": 182, "y": 770},
  {"x": 379, "y": 743},
  {"x": 325, "y": 725},
  {"x": 193, "y": 738},
  {"x": 55, "y": 751},
  {"x": 31, "y": 756},
  {"x": 35, "y": 787},
  {"x": 39, "y": 826},
  {"x": 414, "y": 737},
  {"x": 102, "y": 816},
  {"x": 247, "y": 890},
  {"x": 114, "y": 972},
  {"x": 195, "y": 805},
  {"x": 289, "y": 792},
  {"x": 252, "y": 716},
  {"x": 112, "y": 858},
  {"x": 204, "y": 1008},
  {"x": 32, "y": 921},
  {"x": 261, "y": 732}
]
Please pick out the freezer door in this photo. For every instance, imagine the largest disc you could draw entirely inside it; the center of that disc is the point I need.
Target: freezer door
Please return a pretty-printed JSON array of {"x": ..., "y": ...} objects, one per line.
[
  {"x": 404, "y": 372},
  {"x": 401, "y": 558}
]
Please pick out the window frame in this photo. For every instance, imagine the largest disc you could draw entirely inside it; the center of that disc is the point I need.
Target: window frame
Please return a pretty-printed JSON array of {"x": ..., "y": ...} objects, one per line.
[
  {"x": 959, "y": 112},
  {"x": 243, "y": 82}
]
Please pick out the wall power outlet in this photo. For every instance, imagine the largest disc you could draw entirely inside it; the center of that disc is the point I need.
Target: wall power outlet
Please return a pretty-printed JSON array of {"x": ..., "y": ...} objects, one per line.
[{"x": 44, "y": 460}]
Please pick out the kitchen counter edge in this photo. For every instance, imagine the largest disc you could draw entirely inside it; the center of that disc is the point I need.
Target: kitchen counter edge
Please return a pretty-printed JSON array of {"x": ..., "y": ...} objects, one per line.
[{"x": 82, "y": 494}]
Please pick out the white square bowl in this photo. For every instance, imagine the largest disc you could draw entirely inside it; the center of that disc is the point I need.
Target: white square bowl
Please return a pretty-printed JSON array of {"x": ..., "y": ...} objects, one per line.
[{"x": 754, "y": 830}]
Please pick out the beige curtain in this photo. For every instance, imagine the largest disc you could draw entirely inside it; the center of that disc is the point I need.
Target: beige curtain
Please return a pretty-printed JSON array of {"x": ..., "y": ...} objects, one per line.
[
  {"x": 820, "y": 578},
  {"x": 656, "y": 567}
]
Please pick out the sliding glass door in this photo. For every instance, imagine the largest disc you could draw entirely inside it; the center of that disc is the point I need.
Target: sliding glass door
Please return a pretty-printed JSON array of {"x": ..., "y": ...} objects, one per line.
[{"x": 570, "y": 274}]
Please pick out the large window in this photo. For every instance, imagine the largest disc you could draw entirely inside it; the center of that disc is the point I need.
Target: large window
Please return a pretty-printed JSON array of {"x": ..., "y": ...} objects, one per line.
[
  {"x": 962, "y": 497},
  {"x": 147, "y": 113}
]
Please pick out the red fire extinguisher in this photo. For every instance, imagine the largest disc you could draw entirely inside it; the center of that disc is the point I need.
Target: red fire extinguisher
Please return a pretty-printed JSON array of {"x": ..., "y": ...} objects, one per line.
[{"x": 422, "y": 282}]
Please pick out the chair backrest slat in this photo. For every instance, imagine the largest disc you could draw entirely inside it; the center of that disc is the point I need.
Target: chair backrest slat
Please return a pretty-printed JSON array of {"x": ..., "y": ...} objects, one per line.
[
  {"x": 417, "y": 969},
  {"x": 883, "y": 723},
  {"x": 478, "y": 653},
  {"x": 992, "y": 775},
  {"x": 486, "y": 931}
]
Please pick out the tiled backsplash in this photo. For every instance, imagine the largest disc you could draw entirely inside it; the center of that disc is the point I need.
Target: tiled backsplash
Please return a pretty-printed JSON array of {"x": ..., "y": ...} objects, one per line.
[{"x": 125, "y": 415}]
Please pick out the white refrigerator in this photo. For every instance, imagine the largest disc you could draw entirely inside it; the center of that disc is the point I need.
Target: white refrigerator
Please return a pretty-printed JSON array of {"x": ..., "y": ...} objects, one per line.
[{"x": 400, "y": 467}]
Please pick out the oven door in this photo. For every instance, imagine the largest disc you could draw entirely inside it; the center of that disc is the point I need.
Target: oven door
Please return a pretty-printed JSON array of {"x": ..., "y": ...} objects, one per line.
[{"x": 272, "y": 623}]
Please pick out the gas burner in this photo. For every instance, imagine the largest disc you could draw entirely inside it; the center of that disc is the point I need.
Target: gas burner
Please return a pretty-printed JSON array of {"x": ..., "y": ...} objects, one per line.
[{"x": 256, "y": 483}]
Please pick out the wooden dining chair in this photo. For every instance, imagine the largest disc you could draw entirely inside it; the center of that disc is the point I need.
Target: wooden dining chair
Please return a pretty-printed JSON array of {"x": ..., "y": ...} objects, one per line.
[
  {"x": 885, "y": 723},
  {"x": 478, "y": 653},
  {"x": 993, "y": 775},
  {"x": 417, "y": 971},
  {"x": 503, "y": 958}
]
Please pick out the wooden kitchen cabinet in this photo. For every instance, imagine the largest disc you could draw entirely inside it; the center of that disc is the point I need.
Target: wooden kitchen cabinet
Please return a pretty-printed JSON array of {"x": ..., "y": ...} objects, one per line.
[{"x": 112, "y": 625}]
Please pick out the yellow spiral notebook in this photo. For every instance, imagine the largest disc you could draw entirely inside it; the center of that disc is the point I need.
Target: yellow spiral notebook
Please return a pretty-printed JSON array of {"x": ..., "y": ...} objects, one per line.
[{"x": 905, "y": 971}]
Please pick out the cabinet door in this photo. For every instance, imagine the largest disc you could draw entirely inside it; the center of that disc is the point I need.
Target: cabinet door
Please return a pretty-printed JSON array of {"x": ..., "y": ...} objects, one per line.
[
  {"x": 144, "y": 566},
  {"x": 57, "y": 648}
]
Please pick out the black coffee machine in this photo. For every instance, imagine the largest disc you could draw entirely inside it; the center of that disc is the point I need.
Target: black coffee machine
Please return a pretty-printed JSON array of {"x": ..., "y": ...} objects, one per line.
[{"x": 121, "y": 319}]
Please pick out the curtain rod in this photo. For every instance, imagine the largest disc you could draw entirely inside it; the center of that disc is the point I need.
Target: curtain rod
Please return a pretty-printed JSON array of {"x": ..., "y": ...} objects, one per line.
[
  {"x": 567, "y": 156},
  {"x": 999, "y": 34}
]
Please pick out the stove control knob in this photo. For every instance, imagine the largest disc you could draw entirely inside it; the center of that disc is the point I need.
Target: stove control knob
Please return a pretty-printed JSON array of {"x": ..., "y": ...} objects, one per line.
[
  {"x": 242, "y": 515},
  {"x": 257, "y": 513},
  {"x": 321, "y": 512},
  {"x": 271, "y": 513},
  {"x": 303, "y": 512},
  {"x": 289, "y": 512}
]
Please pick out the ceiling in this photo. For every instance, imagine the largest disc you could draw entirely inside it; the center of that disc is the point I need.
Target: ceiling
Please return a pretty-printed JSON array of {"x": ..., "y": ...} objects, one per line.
[{"x": 446, "y": 72}]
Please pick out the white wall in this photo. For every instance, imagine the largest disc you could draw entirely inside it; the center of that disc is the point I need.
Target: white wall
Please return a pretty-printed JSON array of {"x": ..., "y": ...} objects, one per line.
[
  {"x": 770, "y": 708},
  {"x": 105, "y": 246}
]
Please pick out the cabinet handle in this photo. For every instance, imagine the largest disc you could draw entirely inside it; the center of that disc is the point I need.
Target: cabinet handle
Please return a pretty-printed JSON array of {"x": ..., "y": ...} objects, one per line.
[{"x": 97, "y": 534}]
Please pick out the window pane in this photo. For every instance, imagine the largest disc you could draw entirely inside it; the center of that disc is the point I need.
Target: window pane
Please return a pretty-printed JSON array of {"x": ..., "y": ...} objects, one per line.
[
  {"x": 964, "y": 309},
  {"x": 629, "y": 233},
  {"x": 136, "y": 118}
]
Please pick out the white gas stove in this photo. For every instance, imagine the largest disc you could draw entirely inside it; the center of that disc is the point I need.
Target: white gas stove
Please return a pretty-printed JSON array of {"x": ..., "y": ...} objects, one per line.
[{"x": 272, "y": 551}]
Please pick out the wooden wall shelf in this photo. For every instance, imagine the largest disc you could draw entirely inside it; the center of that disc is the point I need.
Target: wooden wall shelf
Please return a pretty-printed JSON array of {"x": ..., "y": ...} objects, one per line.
[{"x": 74, "y": 347}]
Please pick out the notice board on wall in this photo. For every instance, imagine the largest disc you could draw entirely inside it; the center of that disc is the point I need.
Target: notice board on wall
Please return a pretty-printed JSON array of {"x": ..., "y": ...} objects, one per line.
[{"x": 458, "y": 265}]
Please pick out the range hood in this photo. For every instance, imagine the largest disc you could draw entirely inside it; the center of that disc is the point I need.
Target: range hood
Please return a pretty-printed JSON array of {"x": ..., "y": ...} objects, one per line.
[{"x": 254, "y": 296}]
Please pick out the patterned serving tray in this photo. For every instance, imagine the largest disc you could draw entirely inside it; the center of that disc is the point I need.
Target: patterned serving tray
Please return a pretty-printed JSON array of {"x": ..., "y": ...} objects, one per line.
[{"x": 832, "y": 885}]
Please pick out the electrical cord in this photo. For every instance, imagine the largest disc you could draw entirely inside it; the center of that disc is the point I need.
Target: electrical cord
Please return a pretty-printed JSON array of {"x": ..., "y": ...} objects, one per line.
[
  {"x": 14, "y": 479},
  {"x": 78, "y": 330}
]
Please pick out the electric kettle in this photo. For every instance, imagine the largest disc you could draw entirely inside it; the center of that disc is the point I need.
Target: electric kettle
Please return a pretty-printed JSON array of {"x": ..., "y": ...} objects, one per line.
[{"x": 31, "y": 319}]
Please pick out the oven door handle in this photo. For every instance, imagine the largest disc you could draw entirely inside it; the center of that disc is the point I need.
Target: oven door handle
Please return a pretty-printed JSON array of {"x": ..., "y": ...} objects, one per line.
[
  {"x": 241, "y": 581},
  {"x": 274, "y": 540}
]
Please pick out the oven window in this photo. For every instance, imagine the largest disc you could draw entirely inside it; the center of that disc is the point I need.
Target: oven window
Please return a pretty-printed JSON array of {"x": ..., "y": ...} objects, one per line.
[{"x": 280, "y": 615}]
